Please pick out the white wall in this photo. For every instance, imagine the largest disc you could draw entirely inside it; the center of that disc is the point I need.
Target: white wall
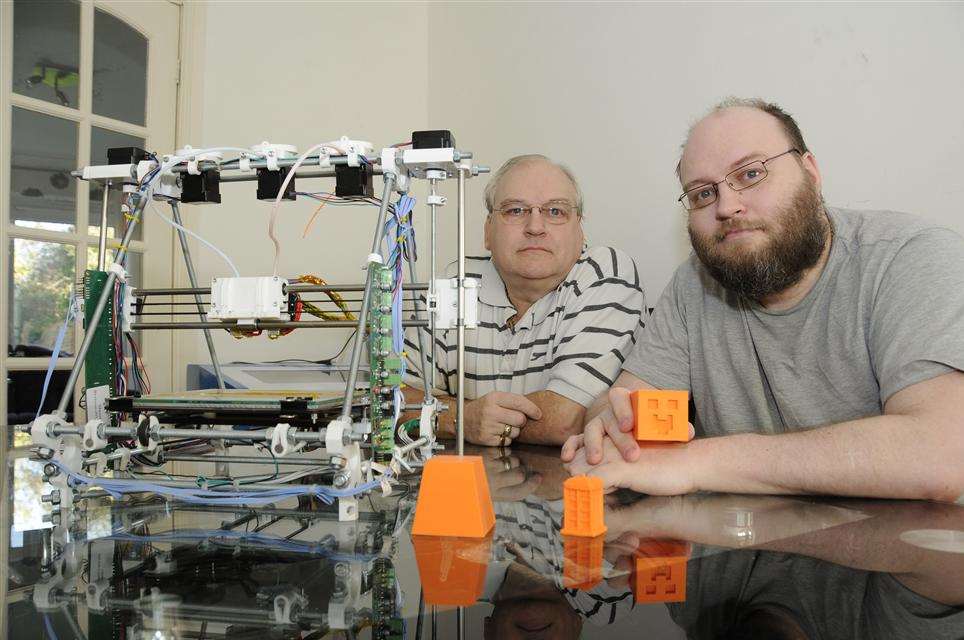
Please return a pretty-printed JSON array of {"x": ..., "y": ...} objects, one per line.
[
  {"x": 610, "y": 89},
  {"x": 298, "y": 73}
]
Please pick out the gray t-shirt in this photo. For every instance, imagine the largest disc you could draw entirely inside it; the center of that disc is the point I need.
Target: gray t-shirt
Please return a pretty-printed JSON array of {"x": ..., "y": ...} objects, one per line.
[
  {"x": 886, "y": 313},
  {"x": 826, "y": 600}
]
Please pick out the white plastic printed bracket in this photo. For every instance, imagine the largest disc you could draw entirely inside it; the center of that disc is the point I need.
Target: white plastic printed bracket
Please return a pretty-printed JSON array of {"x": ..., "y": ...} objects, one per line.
[
  {"x": 42, "y": 434},
  {"x": 353, "y": 149},
  {"x": 285, "y": 604},
  {"x": 426, "y": 427},
  {"x": 348, "y": 506},
  {"x": 144, "y": 167},
  {"x": 436, "y": 199},
  {"x": 273, "y": 152},
  {"x": 119, "y": 271},
  {"x": 127, "y": 311},
  {"x": 94, "y": 436},
  {"x": 192, "y": 163},
  {"x": 324, "y": 158},
  {"x": 281, "y": 441},
  {"x": 376, "y": 258},
  {"x": 153, "y": 425},
  {"x": 335, "y": 436},
  {"x": 389, "y": 164},
  {"x": 248, "y": 299},
  {"x": 447, "y": 309},
  {"x": 244, "y": 162}
]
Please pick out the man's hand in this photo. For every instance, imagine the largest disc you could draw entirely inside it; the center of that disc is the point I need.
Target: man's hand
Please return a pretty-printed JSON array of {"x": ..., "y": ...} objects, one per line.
[
  {"x": 659, "y": 469},
  {"x": 509, "y": 479},
  {"x": 486, "y": 418},
  {"x": 616, "y": 422}
]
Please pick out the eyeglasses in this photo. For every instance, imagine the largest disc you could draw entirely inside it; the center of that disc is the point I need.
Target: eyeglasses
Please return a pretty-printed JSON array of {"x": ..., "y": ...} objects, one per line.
[
  {"x": 556, "y": 212},
  {"x": 747, "y": 176}
]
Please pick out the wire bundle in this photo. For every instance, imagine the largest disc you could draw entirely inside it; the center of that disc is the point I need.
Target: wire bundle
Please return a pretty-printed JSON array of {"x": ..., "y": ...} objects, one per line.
[
  {"x": 400, "y": 244},
  {"x": 191, "y": 495}
]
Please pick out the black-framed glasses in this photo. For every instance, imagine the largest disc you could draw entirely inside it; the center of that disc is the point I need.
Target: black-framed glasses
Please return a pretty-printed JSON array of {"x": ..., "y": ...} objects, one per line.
[
  {"x": 744, "y": 177},
  {"x": 554, "y": 212}
]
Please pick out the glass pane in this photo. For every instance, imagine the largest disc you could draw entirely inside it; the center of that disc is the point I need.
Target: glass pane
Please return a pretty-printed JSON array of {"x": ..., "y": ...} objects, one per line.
[
  {"x": 24, "y": 389},
  {"x": 27, "y": 525},
  {"x": 134, "y": 262},
  {"x": 44, "y": 152},
  {"x": 100, "y": 141},
  {"x": 46, "y": 50},
  {"x": 43, "y": 281},
  {"x": 120, "y": 69}
]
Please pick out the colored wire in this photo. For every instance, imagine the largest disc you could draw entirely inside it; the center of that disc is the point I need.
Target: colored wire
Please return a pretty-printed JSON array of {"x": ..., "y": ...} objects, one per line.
[{"x": 190, "y": 495}]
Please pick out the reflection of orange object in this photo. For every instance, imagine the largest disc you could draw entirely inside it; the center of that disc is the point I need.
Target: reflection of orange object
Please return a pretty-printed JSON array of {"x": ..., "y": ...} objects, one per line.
[
  {"x": 452, "y": 570},
  {"x": 661, "y": 414},
  {"x": 582, "y": 501},
  {"x": 659, "y": 574},
  {"x": 454, "y": 499},
  {"x": 582, "y": 567}
]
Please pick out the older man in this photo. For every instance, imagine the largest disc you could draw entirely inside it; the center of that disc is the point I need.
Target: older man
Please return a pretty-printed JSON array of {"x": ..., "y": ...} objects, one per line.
[
  {"x": 555, "y": 318},
  {"x": 823, "y": 345}
]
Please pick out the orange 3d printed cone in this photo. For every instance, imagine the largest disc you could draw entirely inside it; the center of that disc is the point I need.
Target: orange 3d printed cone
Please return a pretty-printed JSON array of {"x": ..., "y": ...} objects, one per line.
[
  {"x": 452, "y": 570},
  {"x": 453, "y": 499}
]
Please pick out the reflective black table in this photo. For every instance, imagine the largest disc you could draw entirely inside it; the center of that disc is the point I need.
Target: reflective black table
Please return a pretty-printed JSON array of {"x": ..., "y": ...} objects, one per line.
[{"x": 699, "y": 566}]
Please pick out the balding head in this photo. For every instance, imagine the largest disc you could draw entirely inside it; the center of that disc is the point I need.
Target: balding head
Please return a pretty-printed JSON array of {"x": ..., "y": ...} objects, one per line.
[{"x": 786, "y": 122}]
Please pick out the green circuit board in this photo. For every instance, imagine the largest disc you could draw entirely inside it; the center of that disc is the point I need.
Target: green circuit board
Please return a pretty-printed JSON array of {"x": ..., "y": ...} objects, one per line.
[
  {"x": 386, "y": 364},
  {"x": 100, "y": 365}
]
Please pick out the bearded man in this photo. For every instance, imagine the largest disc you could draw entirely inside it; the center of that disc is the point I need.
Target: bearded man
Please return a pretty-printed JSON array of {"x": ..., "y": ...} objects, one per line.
[{"x": 823, "y": 347}]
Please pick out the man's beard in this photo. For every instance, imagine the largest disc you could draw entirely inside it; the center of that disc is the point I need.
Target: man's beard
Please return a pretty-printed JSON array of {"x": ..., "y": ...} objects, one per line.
[{"x": 792, "y": 249}]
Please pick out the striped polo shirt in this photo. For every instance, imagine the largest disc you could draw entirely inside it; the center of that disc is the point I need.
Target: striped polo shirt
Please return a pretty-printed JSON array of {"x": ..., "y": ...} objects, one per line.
[{"x": 572, "y": 341}]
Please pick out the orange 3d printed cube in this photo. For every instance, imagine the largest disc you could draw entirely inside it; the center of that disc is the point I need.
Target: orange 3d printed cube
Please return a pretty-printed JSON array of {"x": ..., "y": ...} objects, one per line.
[
  {"x": 661, "y": 415},
  {"x": 582, "y": 503},
  {"x": 659, "y": 574}
]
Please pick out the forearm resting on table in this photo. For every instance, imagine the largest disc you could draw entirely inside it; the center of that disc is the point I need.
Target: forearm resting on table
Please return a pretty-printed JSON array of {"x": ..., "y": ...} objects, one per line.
[
  {"x": 891, "y": 456},
  {"x": 912, "y": 451},
  {"x": 561, "y": 417}
]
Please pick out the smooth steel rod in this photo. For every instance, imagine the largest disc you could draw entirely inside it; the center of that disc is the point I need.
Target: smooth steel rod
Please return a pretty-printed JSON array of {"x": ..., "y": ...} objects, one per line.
[
  {"x": 432, "y": 293},
  {"x": 300, "y": 324},
  {"x": 423, "y": 354},
  {"x": 192, "y": 277},
  {"x": 176, "y": 457},
  {"x": 195, "y": 434},
  {"x": 304, "y": 175},
  {"x": 460, "y": 345},
  {"x": 293, "y": 288},
  {"x": 102, "y": 238},
  {"x": 310, "y": 161},
  {"x": 366, "y": 300}
]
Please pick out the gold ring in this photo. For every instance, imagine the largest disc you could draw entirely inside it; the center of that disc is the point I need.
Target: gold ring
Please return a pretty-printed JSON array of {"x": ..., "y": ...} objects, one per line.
[
  {"x": 502, "y": 442},
  {"x": 507, "y": 431}
]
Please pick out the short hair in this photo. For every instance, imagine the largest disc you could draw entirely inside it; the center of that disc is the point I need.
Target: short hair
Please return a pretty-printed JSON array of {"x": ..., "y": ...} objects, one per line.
[
  {"x": 511, "y": 163},
  {"x": 789, "y": 125}
]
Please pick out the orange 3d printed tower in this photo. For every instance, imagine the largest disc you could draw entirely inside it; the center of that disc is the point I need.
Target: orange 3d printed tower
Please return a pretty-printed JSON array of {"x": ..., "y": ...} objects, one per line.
[
  {"x": 454, "y": 499},
  {"x": 582, "y": 566},
  {"x": 661, "y": 415},
  {"x": 582, "y": 507}
]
